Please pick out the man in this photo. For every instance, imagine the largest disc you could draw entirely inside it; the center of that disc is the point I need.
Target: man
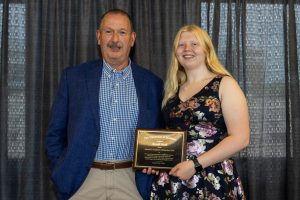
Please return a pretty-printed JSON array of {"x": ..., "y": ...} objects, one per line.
[{"x": 99, "y": 104}]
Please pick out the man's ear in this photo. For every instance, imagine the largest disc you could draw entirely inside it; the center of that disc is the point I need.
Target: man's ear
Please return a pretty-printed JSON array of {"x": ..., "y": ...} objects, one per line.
[
  {"x": 133, "y": 36},
  {"x": 98, "y": 36}
]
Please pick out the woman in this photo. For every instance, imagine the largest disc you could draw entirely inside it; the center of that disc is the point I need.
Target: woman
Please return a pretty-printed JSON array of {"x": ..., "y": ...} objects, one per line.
[{"x": 202, "y": 98}]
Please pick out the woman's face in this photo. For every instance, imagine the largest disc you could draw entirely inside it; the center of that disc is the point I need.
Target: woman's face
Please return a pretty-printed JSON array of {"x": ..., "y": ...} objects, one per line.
[{"x": 189, "y": 52}]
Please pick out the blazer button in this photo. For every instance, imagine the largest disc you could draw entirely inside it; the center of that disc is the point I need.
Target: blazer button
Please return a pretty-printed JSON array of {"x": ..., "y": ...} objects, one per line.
[{"x": 95, "y": 145}]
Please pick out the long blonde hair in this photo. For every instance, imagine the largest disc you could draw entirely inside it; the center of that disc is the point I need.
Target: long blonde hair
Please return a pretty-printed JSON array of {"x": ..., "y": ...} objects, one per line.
[{"x": 176, "y": 75}]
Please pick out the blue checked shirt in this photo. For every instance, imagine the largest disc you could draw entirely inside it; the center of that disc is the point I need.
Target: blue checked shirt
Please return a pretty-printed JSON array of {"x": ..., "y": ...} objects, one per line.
[{"x": 118, "y": 114}]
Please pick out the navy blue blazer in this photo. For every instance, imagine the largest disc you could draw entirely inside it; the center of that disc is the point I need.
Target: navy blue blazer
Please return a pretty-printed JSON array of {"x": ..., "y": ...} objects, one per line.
[{"x": 73, "y": 134}]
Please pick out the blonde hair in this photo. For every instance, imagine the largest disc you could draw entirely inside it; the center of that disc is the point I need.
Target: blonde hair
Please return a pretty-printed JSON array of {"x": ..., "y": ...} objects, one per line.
[{"x": 176, "y": 75}]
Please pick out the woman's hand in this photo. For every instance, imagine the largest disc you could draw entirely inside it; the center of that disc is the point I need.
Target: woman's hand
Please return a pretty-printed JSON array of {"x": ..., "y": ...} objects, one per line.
[
  {"x": 150, "y": 171},
  {"x": 184, "y": 170}
]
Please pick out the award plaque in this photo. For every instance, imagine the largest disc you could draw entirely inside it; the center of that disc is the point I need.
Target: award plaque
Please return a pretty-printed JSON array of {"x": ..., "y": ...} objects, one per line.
[{"x": 159, "y": 148}]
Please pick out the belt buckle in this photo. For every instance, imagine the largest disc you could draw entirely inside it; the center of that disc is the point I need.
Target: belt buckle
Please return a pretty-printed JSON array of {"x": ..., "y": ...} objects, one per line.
[{"x": 112, "y": 164}]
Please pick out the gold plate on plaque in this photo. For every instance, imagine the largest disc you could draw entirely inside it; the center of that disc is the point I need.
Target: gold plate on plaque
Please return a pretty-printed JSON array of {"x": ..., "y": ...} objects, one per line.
[{"x": 159, "y": 148}]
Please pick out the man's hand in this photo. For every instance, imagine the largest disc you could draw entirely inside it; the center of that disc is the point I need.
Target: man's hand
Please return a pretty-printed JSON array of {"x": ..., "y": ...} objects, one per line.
[{"x": 150, "y": 171}]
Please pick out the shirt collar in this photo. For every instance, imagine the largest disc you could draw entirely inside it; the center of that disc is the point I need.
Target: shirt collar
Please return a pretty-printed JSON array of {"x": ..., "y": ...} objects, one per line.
[{"x": 109, "y": 70}]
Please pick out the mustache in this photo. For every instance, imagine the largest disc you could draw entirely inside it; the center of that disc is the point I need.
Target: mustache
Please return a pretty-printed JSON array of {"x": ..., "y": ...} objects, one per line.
[{"x": 114, "y": 45}]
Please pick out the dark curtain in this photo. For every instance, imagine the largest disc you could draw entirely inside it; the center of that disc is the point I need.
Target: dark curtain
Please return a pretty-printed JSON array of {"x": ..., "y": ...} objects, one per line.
[{"x": 258, "y": 41}]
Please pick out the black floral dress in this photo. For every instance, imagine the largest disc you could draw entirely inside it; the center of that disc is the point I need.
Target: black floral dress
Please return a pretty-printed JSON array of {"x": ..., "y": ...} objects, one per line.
[{"x": 202, "y": 117}]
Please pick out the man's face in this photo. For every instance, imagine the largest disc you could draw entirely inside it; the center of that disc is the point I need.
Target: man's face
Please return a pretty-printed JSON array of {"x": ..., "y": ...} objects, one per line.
[{"x": 115, "y": 38}]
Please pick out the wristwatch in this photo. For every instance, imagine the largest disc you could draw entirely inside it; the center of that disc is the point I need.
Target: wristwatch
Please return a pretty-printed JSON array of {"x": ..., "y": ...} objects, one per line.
[{"x": 197, "y": 165}]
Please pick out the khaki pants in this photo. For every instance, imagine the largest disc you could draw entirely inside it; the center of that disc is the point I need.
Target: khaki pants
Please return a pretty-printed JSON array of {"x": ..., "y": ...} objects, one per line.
[{"x": 118, "y": 184}]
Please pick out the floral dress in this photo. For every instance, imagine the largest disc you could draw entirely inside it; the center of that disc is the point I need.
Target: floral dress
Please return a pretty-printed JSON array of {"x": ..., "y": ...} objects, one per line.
[{"x": 202, "y": 117}]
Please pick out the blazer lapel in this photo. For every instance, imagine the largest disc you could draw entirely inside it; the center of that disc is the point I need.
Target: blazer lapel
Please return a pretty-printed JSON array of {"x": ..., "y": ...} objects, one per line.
[
  {"x": 93, "y": 76},
  {"x": 141, "y": 90}
]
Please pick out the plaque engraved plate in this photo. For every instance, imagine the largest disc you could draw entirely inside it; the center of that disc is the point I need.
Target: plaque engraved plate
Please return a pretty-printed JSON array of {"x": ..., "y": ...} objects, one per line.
[{"x": 159, "y": 148}]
